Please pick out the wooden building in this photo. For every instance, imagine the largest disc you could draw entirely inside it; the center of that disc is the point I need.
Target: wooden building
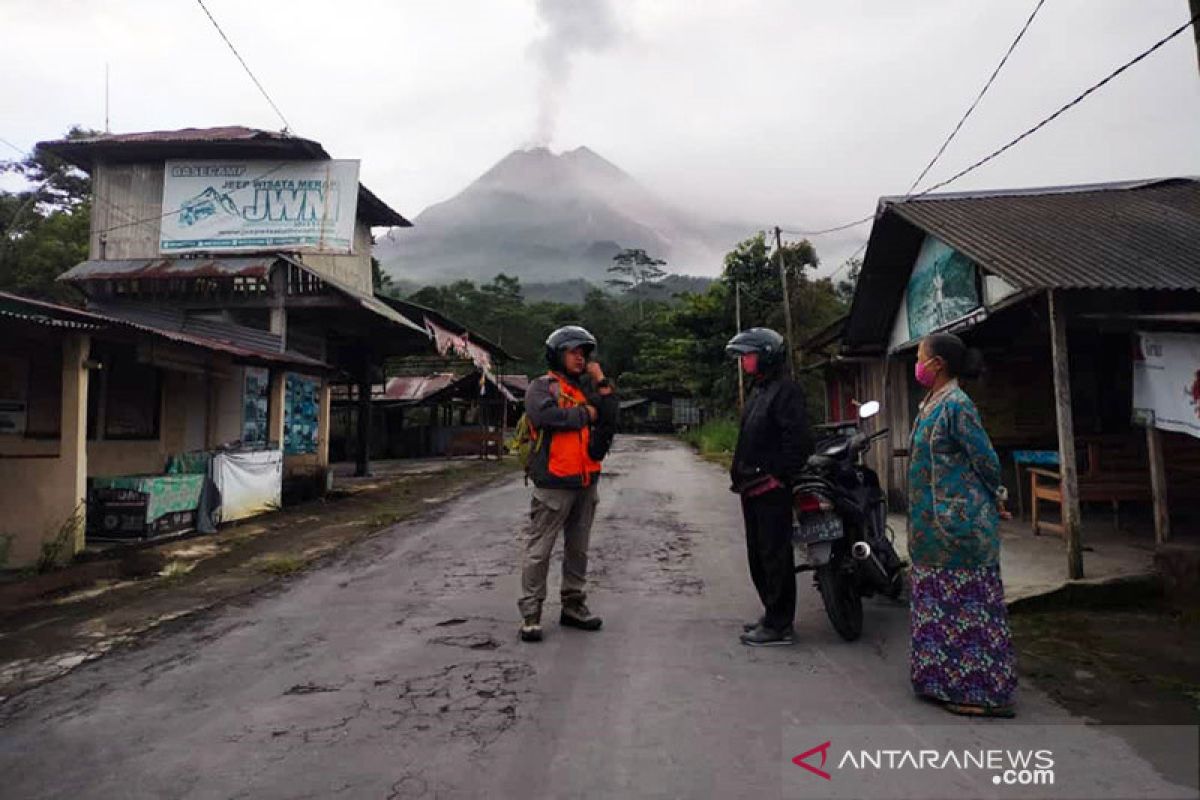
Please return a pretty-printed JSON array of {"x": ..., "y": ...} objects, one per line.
[{"x": 1060, "y": 288}]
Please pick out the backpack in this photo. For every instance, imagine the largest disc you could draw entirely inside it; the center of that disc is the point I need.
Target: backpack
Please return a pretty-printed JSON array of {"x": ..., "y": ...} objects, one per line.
[
  {"x": 526, "y": 440},
  {"x": 524, "y": 443}
]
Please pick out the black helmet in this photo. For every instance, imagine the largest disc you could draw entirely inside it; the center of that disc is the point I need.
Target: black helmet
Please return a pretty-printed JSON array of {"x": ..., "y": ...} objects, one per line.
[
  {"x": 567, "y": 338},
  {"x": 767, "y": 343}
]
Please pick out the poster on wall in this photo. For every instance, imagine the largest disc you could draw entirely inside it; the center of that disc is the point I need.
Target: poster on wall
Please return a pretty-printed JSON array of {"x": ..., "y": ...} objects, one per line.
[
  {"x": 301, "y": 415},
  {"x": 14, "y": 387},
  {"x": 1166, "y": 381},
  {"x": 943, "y": 287},
  {"x": 255, "y": 393},
  {"x": 232, "y": 206}
]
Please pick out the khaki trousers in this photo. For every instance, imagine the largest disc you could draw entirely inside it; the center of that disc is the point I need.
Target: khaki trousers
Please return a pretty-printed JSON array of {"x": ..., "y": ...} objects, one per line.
[{"x": 552, "y": 510}]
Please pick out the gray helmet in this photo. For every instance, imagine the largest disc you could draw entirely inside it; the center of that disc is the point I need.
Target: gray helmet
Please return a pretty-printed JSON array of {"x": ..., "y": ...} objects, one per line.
[
  {"x": 567, "y": 338},
  {"x": 767, "y": 343}
]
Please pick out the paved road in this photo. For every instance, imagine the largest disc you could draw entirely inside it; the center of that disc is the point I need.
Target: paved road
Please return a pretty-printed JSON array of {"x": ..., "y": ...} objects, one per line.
[{"x": 395, "y": 672}]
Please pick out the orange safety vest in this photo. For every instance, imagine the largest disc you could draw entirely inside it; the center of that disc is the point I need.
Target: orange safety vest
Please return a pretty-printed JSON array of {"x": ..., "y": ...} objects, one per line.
[{"x": 563, "y": 460}]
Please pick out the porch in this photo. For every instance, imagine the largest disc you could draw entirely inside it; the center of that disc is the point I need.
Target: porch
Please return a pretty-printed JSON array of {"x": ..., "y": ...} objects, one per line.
[{"x": 1034, "y": 565}]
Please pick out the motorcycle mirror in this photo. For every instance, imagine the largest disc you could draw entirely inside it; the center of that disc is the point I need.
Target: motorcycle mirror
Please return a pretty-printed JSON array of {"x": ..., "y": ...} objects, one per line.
[{"x": 868, "y": 409}]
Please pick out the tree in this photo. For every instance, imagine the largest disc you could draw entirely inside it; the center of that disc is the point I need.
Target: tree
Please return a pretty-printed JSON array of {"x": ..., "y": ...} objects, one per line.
[
  {"x": 846, "y": 286},
  {"x": 636, "y": 272},
  {"x": 381, "y": 281},
  {"x": 44, "y": 228}
]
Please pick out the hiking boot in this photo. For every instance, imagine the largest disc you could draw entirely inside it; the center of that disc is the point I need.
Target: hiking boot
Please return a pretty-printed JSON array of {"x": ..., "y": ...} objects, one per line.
[
  {"x": 762, "y": 636},
  {"x": 531, "y": 629},
  {"x": 578, "y": 616}
]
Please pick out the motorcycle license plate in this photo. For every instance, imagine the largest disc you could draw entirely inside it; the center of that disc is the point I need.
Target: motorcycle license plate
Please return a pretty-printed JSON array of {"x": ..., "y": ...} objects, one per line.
[{"x": 823, "y": 527}]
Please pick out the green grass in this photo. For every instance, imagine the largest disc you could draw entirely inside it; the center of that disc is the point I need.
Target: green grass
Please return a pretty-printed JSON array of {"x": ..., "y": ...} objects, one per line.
[
  {"x": 281, "y": 564},
  {"x": 715, "y": 439}
]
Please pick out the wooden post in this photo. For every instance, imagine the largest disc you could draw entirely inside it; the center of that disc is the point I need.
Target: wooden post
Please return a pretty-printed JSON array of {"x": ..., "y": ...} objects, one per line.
[
  {"x": 362, "y": 466},
  {"x": 787, "y": 304},
  {"x": 1194, "y": 6},
  {"x": 1158, "y": 486},
  {"x": 737, "y": 313},
  {"x": 1066, "y": 436}
]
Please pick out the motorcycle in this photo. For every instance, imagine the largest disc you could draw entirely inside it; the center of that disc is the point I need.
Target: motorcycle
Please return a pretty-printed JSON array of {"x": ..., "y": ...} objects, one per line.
[{"x": 840, "y": 520}]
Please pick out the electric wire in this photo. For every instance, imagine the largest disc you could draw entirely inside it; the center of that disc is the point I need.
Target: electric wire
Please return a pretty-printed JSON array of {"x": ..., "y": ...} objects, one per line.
[
  {"x": 979, "y": 97},
  {"x": 245, "y": 66},
  {"x": 1000, "y": 151}
]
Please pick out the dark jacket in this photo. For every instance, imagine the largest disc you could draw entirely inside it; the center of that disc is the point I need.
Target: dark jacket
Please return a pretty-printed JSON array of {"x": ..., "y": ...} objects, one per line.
[
  {"x": 545, "y": 414},
  {"x": 774, "y": 437}
]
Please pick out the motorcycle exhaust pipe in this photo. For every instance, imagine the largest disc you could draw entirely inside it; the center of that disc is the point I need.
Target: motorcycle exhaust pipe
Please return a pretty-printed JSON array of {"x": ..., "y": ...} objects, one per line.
[{"x": 861, "y": 551}]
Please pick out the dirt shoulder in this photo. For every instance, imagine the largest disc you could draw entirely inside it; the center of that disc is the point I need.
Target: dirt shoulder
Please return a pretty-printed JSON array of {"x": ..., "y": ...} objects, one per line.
[{"x": 44, "y": 640}]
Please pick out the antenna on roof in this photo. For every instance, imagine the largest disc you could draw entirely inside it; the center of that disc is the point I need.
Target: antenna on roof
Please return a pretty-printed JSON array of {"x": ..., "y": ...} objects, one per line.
[{"x": 106, "y": 128}]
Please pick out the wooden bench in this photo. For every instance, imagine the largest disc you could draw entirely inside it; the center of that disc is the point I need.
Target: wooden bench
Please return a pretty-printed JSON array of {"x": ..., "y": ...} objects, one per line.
[
  {"x": 1117, "y": 471},
  {"x": 476, "y": 443}
]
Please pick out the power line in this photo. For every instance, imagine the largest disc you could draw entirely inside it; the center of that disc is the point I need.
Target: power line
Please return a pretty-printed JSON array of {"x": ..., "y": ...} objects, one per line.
[
  {"x": 1000, "y": 151},
  {"x": 1094, "y": 87},
  {"x": 979, "y": 97},
  {"x": 834, "y": 229},
  {"x": 245, "y": 66},
  {"x": 168, "y": 214},
  {"x": 13, "y": 146}
]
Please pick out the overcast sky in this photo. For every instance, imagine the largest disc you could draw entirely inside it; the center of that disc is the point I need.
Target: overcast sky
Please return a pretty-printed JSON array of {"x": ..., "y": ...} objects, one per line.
[{"x": 791, "y": 112}]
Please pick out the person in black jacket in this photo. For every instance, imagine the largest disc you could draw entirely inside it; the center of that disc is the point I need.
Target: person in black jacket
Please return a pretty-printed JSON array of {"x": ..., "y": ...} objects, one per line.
[{"x": 774, "y": 442}]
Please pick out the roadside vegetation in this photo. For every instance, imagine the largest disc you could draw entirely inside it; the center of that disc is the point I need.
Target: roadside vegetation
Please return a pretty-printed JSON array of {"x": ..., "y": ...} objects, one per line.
[{"x": 715, "y": 439}]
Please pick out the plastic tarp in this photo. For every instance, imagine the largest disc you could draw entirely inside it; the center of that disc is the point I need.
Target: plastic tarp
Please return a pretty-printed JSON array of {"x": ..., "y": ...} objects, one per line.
[{"x": 250, "y": 483}]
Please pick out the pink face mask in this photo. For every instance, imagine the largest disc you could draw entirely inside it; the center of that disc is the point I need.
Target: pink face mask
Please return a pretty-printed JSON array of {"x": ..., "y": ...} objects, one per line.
[
  {"x": 750, "y": 363},
  {"x": 924, "y": 375}
]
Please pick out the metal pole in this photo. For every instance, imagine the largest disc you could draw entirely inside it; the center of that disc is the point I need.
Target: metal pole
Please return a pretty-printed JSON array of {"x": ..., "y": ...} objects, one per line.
[{"x": 787, "y": 305}]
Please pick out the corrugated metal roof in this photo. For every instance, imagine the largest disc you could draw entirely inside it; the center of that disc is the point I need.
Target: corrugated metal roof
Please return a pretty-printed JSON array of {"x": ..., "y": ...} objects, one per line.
[
  {"x": 1140, "y": 236},
  {"x": 40, "y": 312},
  {"x": 414, "y": 389},
  {"x": 105, "y": 269},
  {"x": 1133, "y": 235},
  {"x": 229, "y": 141}
]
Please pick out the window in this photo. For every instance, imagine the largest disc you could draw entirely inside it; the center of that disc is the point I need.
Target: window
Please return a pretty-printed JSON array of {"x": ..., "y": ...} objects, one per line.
[{"x": 125, "y": 401}]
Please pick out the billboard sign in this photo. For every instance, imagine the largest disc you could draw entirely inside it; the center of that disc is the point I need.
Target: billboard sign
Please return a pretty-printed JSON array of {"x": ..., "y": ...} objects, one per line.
[
  {"x": 1166, "y": 381},
  {"x": 242, "y": 206},
  {"x": 943, "y": 288}
]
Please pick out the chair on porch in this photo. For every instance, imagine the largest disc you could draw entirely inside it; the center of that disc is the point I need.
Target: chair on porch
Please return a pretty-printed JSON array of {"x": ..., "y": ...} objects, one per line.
[{"x": 1117, "y": 470}]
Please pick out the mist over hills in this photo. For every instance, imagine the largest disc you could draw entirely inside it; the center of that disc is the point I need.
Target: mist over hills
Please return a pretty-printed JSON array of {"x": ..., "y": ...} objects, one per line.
[{"x": 546, "y": 218}]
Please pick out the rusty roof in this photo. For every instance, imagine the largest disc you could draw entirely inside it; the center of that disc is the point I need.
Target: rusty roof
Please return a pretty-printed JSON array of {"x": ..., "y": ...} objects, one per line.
[
  {"x": 105, "y": 269},
  {"x": 1134, "y": 235},
  {"x": 229, "y": 141},
  {"x": 39, "y": 312},
  {"x": 414, "y": 389}
]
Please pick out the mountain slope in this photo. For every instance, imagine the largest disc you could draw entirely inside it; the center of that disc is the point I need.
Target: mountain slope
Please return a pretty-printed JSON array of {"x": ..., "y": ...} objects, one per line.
[{"x": 550, "y": 217}]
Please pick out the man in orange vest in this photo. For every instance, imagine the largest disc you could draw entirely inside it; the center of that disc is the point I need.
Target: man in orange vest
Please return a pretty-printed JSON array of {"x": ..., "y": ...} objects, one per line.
[{"x": 573, "y": 409}]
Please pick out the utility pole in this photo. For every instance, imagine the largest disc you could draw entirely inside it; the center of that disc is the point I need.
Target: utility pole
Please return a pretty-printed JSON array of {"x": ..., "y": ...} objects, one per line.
[
  {"x": 787, "y": 305},
  {"x": 1194, "y": 5},
  {"x": 737, "y": 315}
]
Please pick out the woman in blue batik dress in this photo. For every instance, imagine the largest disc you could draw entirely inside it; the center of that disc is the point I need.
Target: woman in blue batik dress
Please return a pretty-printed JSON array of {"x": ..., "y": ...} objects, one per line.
[{"x": 962, "y": 655}]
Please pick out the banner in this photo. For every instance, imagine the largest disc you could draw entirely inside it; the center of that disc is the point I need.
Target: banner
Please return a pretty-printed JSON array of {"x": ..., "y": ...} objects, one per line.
[
  {"x": 942, "y": 288},
  {"x": 232, "y": 206},
  {"x": 1166, "y": 381},
  {"x": 250, "y": 483}
]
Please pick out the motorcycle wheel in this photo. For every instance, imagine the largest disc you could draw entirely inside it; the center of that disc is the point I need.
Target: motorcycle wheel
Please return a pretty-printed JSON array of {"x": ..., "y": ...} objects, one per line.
[{"x": 842, "y": 601}]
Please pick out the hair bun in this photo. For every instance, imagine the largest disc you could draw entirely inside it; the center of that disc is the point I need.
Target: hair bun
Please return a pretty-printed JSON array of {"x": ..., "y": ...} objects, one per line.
[{"x": 972, "y": 363}]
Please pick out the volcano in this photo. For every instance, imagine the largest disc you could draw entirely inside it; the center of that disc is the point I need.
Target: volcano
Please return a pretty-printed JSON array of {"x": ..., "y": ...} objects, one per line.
[{"x": 547, "y": 217}]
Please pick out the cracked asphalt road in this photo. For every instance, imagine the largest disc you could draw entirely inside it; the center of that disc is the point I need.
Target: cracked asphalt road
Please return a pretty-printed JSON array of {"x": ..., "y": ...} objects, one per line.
[{"x": 395, "y": 671}]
